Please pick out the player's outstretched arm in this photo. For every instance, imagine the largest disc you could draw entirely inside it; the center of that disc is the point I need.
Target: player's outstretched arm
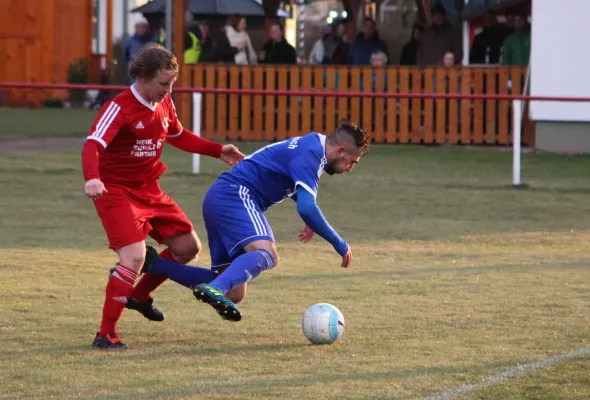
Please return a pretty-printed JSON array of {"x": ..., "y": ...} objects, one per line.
[
  {"x": 315, "y": 220},
  {"x": 191, "y": 143},
  {"x": 94, "y": 188}
]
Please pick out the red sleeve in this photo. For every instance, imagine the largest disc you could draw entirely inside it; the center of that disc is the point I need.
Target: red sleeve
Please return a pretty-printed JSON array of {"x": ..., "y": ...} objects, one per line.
[
  {"x": 107, "y": 124},
  {"x": 90, "y": 154},
  {"x": 192, "y": 143}
]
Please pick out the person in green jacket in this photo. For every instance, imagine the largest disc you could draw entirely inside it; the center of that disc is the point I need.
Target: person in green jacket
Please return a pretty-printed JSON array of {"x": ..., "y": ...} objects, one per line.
[{"x": 516, "y": 49}]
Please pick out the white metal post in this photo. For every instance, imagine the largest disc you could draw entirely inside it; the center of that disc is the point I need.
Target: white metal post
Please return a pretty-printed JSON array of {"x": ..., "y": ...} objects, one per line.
[
  {"x": 516, "y": 135},
  {"x": 197, "y": 129}
]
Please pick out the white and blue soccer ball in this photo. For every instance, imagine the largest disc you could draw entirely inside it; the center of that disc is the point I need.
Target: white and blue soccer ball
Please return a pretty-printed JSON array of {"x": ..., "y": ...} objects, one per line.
[{"x": 322, "y": 323}]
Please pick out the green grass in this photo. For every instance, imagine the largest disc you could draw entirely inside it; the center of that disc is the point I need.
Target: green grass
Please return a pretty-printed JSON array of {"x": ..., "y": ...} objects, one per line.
[
  {"x": 44, "y": 123},
  {"x": 456, "y": 277}
]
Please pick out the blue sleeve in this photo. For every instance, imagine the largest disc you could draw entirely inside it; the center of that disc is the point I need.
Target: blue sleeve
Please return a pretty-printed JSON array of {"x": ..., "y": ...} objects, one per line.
[
  {"x": 313, "y": 217},
  {"x": 305, "y": 171}
]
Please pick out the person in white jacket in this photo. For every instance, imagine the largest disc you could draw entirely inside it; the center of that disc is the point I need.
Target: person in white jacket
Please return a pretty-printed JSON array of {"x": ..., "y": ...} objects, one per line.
[{"x": 239, "y": 38}]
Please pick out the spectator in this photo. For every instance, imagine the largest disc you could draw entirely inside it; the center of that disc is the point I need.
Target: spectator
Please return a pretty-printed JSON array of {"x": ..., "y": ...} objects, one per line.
[
  {"x": 135, "y": 43},
  {"x": 517, "y": 47},
  {"x": 208, "y": 53},
  {"x": 277, "y": 50},
  {"x": 224, "y": 51},
  {"x": 365, "y": 44},
  {"x": 437, "y": 38},
  {"x": 410, "y": 49},
  {"x": 317, "y": 52},
  {"x": 239, "y": 38},
  {"x": 192, "y": 44},
  {"x": 487, "y": 45},
  {"x": 340, "y": 55},
  {"x": 448, "y": 60}
]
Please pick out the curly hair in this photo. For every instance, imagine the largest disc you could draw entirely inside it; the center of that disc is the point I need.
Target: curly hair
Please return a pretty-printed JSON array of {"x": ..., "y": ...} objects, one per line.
[
  {"x": 348, "y": 131},
  {"x": 150, "y": 61}
]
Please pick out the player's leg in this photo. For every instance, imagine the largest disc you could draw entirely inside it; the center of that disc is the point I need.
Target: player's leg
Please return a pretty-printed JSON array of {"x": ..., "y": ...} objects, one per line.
[
  {"x": 252, "y": 263},
  {"x": 126, "y": 228},
  {"x": 171, "y": 227},
  {"x": 184, "y": 275},
  {"x": 229, "y": 210}
]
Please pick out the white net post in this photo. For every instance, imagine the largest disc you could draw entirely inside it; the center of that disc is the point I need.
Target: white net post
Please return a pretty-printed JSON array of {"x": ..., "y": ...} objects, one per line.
[
  {"x": 197, "y": 97},
  {"x": 516, "y": 138}
]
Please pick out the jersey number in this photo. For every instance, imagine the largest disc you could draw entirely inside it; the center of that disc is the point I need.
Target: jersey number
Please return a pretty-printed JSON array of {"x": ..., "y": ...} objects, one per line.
[{"x": 293, "y": 144}]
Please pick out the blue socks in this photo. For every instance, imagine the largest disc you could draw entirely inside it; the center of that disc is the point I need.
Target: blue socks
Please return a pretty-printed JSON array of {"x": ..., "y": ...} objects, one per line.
[
  {"x": 245, "y": 267},
  {"x": 183, "y": 274}
]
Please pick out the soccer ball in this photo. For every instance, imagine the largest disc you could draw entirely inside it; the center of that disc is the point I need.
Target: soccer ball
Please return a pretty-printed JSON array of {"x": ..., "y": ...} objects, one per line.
[{"x": 322, "y": 323}]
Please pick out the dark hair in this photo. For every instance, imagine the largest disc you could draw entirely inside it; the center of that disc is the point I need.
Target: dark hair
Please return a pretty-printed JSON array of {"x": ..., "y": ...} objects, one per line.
[
  {"x": 439, "y": 8},
  {"x": 349, "y": 131},
  {"x": 235, "y": 19},
  {"x": 150, "y": 61}
]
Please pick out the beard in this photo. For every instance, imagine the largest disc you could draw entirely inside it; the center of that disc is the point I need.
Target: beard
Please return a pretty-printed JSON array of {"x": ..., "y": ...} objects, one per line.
[{"x": 330, "y": 167}]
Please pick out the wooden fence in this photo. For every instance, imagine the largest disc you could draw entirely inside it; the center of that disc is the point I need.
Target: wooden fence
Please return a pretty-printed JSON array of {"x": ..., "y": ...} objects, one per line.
[{"x": 423, "y": 121}]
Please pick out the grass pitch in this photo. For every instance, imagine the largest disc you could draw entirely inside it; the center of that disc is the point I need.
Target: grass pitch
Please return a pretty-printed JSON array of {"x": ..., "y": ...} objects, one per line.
[{"x": 456, "y": 277}]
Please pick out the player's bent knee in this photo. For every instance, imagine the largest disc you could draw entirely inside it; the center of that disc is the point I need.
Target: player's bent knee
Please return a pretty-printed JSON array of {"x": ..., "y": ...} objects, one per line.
[
  {"x": 184, "y": 247},
  {"x": 132, "y": 256},
  {"x": 237, "y": 294}
]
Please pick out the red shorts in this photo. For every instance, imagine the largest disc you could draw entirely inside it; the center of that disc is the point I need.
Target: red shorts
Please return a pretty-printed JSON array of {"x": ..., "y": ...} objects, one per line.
[{"x": 129, "y": 215}]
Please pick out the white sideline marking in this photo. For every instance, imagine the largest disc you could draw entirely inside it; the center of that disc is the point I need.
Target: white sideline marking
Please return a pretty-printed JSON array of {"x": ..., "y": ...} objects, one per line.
[{"x": 509, "y": 374}]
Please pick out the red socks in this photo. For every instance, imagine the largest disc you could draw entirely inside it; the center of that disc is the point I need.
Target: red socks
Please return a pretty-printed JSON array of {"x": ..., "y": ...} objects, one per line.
[
  {"x": 150, "y": 282},
  {"x": 118, "y": 290}
]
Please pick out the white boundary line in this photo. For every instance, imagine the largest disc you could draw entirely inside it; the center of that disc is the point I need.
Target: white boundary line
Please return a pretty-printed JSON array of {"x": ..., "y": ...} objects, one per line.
[{"x": 509, "y": 374}]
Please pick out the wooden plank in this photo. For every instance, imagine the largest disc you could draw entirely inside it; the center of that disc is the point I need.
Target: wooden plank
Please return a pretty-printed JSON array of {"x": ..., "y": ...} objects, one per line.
[
  {"x": 318, "y": 101},
  {"x": 294, "y": 101},
  {"x": 109, "y": 33},
  {"x": 440, "y": 75},
  {"x": 428, "y": 113},
  {"x": 379, "y": 103},
  {"x": 503, "y": 113},
  {"x": 404, "y": 109},
  {"x": 269, "y": 103},
  {"x": 281, "y": 133},
  {"x": 416, "y": 110},
  {"x": 306, "y": 105},
  {"x": 491, "y": 120},
  {"x": 258, "y": 113},
  {"x": 453, "y": 118},
  {"x": 367, "y": 118},
  {"x": 391, "y": 104},
  {"x": 246, "y": 105},
  {"x": 198, "y": 79},
  {"x": 210, "y": 82},
  {"x": 466, "y": 132},
  {"x": 222, "y": 105},
  {"x": 183, "y": 101},
  {"x": 330, "y": 123},
  {"x": 48, "y": 40},
  {"x": 355, "y": 102},
  {"x": 342, "y": 86},
  {"x": 478, "y": 125},
  {"x": 234, "y": 102}
]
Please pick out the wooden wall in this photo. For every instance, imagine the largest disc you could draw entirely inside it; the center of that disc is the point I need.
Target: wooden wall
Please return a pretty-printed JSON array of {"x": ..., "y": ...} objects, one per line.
[{"x": 39, "y": 39}]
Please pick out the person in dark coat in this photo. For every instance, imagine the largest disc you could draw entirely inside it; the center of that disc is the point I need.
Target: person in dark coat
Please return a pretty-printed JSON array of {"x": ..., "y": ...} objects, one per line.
[
  {"x": 410, "y": 49},
  {"x": 277, "y": 50},
  {"x": 365, "y": 44}
]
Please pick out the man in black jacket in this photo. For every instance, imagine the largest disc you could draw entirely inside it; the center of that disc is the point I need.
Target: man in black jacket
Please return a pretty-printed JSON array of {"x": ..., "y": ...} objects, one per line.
[{"x": 277, "y": 50}]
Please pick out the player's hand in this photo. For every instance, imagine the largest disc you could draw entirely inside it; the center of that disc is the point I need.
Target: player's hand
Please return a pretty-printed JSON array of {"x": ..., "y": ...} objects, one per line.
[
  {"x": 94, "y": 188},
  {"x": 347, "y": 258},
  {"x": 230, "y": 154},
  {"x": 306, "y": 234}
]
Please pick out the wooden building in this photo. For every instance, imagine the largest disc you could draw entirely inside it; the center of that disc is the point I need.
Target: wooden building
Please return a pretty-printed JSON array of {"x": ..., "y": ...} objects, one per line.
[{"x": 38, "y": 41}]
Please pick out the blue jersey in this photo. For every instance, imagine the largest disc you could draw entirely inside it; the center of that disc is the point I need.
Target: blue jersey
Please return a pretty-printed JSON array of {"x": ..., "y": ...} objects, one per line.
[{"x": 274, "y": 172}]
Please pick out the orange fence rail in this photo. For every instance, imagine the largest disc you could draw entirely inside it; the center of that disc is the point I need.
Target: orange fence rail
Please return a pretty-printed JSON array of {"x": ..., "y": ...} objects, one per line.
[{"x": 390, "y": 120}]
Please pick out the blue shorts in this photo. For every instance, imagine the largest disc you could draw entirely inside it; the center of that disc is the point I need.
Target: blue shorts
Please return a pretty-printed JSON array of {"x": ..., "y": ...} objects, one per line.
[{"x": 232, "y": 220}]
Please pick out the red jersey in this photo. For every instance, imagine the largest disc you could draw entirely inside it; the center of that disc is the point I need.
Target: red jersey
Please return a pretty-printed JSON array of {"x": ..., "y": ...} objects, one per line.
[{"x": 132, "y": 132}]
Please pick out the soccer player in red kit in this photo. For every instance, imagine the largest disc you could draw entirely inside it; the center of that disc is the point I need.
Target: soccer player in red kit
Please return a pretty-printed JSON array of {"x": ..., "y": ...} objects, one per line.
[{"x": 121, "y": 164}]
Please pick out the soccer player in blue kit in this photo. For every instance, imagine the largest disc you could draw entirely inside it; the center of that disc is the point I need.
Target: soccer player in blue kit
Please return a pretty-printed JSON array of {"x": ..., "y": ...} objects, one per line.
[{"x": 241, "y": 241}]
